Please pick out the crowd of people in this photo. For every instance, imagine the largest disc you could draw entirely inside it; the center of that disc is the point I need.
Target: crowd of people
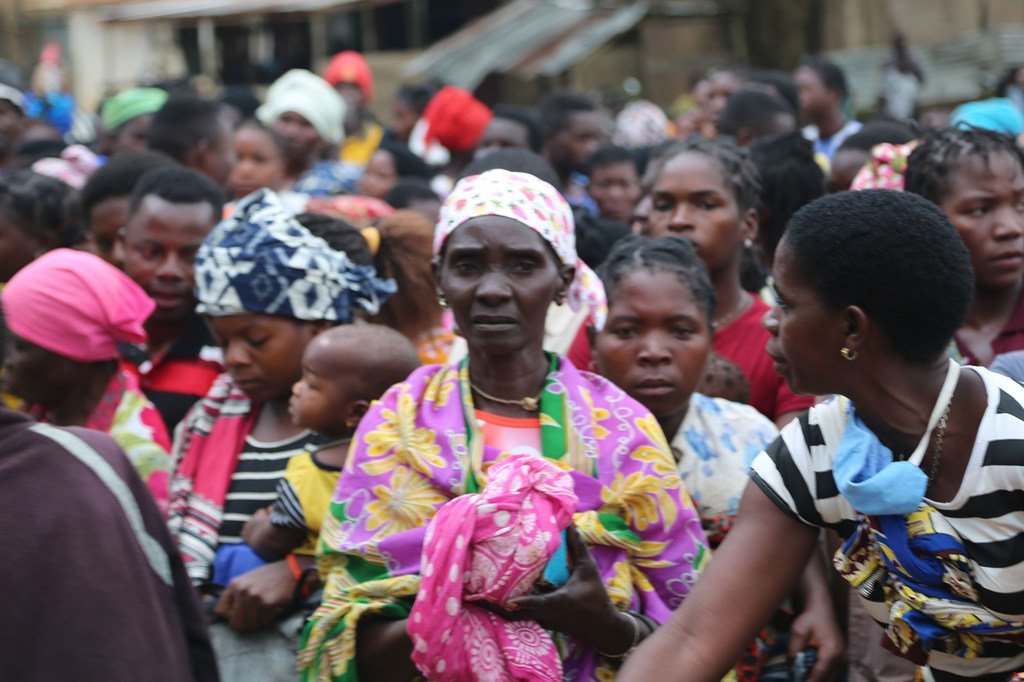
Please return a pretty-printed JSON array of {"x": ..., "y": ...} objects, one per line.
[{"x": 513, "y": 393}]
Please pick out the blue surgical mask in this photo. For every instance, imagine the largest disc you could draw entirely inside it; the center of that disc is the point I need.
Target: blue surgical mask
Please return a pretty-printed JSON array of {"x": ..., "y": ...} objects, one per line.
[{"x": 867, "y": 476}]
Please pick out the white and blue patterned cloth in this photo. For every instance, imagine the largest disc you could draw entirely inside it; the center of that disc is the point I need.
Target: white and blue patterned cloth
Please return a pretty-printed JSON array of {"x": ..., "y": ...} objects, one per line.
[
  {"x": 716, "y": 443},
  {"x": 262, "y": 260}
]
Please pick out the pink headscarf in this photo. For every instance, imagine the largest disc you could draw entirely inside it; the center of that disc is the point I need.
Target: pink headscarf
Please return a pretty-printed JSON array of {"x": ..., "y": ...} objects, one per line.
[
  {"x": 536, "y": 204},
  {"x": 76, "y": 305},
  {"x": 885, "y": 168},
  {"x": 491, "y": 547}
]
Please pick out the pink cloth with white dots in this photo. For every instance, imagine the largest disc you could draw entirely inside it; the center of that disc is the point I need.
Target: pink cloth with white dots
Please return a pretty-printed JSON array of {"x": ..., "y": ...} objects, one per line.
[{"x": 491, "y": 547}]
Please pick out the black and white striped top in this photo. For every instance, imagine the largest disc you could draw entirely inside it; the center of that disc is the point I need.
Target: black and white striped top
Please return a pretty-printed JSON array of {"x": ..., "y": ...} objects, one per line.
[
  {"x": 254, "y": 483},
  {"x": 987, "y": 512}
]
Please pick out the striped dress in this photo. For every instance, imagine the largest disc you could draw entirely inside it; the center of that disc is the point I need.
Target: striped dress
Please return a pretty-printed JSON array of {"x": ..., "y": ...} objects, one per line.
[{"x": 986, "y": 516}]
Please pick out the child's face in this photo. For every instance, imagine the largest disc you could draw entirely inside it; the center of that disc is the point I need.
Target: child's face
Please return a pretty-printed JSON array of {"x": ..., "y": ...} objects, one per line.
[
  {"x": 616, "y": 189},
  {"x": 259, "y": 162},
  {"x": 380, "y": 175},
  {"x": 319, "y": 400},
  {"x": 261, "y": 352}
]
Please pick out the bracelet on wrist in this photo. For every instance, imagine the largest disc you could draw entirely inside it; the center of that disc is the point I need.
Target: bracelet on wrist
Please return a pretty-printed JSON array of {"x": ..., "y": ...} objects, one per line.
[{"x": 635, "y": 622}]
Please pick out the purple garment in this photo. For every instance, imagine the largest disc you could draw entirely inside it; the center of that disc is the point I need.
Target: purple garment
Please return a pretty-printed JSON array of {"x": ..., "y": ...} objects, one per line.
[{"x": 82, "y": 599}]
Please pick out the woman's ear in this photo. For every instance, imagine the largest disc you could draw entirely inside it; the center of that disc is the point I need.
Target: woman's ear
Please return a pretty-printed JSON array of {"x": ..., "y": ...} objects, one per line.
[
  {"x": 567, "y": 273},
  {"x": 750, "y": 224},
  {"x": 857, "y": 326}
]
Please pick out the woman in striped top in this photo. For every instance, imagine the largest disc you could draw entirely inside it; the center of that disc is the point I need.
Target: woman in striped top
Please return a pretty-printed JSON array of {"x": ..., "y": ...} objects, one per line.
[{"x": 872, "y": 286}]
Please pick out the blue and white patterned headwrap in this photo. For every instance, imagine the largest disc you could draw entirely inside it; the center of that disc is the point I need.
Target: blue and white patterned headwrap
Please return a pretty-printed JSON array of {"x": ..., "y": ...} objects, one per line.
[{"x": 262, "y": 260}]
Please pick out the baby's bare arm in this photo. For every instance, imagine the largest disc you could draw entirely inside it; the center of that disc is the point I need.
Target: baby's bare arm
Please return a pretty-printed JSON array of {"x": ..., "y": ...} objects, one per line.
[{"x": 271, "y": 542}]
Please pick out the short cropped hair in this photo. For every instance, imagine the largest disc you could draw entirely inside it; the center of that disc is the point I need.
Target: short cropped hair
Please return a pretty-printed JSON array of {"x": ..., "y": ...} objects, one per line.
[
  {"x": 534, "y": 134},
  {"x": 610, "y": 155},
  {"x": 878, "y": 132},
  {"x": 556, "y": 110},
  {"x": 182, "y": 123},
  {"x": 516, "y": 160},
  {"x": 408, "y": 190},
  {"x": 118, "y": 176},
  {"x": 177, "y": 185},
  {"x": 829, "y": 73},
  {"x": 894, "y": 254},
  {"x": 753, "y": 109}
]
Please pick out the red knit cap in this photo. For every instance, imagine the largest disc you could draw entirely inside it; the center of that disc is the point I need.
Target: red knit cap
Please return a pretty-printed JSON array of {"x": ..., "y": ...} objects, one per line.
[
  {"x": 350, "y": 67},
  {"x": 456, "y": 119}
]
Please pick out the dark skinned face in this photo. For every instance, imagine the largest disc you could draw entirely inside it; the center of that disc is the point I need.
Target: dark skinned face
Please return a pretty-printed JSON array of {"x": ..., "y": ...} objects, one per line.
[
  {"x": 806, "y": 335},
  {"x": 37, "y": 375},
  {"x": 499, "y": 277},
  {"x": 985, "y": 202},
  {"x": 656, "y": 341},
  {"x": 263, "y": 353}
]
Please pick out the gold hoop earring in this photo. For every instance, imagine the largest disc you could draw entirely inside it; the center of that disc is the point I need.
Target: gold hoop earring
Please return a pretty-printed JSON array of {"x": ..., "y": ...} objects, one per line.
[{"x": 848, "y": 354}]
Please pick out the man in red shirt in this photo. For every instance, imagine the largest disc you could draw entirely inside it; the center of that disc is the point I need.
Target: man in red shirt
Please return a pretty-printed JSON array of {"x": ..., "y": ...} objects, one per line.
[{"x": 169, "y": 215}]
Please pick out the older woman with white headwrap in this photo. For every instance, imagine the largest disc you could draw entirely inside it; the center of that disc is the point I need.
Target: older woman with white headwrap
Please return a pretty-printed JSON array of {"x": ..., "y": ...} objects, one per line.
[{"x": 507, "y": 432}]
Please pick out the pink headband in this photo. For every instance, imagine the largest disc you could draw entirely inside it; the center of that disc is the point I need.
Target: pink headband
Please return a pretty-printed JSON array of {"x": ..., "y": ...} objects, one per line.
[{"x": 76, "y": 305}]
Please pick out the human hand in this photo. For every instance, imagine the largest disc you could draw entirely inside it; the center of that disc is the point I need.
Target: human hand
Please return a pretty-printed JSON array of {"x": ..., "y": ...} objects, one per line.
[
  {"x": 816, "y": 627},
  {"x": 257, "y": 598},
  {"x": 581, "y": 607}
]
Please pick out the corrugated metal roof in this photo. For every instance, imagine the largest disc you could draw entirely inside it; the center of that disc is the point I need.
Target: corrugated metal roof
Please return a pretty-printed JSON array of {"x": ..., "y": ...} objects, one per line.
[
  {"x": 167, "y": 9},
  {"x": 525, "y": 37}
]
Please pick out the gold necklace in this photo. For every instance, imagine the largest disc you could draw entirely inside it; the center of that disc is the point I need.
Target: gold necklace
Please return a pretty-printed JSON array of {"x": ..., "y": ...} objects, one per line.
[{"x": 529, "y": 403}]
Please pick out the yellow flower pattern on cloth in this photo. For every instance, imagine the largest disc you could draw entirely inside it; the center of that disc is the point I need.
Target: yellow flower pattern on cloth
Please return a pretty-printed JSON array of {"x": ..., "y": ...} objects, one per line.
[{"x": 415, "y": 450}]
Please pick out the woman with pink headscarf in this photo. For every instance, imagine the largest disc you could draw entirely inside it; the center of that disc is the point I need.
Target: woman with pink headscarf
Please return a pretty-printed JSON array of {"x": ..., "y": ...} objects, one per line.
[
  {"x": 506, "y": 516},
  {"x": 66, "y": 314}
]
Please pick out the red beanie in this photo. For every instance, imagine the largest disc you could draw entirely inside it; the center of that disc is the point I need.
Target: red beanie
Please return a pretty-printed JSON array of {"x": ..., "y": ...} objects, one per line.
[
  {"x": 350, "y": 67},
  {"x": 456, "y": 119}
]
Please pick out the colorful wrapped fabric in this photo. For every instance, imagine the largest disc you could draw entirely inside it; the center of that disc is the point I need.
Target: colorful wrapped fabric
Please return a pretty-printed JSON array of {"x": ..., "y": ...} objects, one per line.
[
  {"x": 126, "y": 414},
  {"x": 885, "y": 168},
  {"x": 351, "y": 67},
  {"x": 77, "y": 305},
  {"x": 640, "y": 124},
  {"x": 998, "y": 114},
  {"x": 328, "y": 179},
  {"x": 262, "y": 260},
  {"x": 211, "y": 439},
  {"x": 491, "y": 546},
  {"x": 921, "y": 565},
  {"x": 420, "y": 446},
  {"x": 130, "y": 104},
  {"x": 76, "y": 163},
  {"x": 537, "y": 205},
  {"x": 310, "y": 96},
  {"x": 454, "y": 119},
  {"x": 356, "y": 210}
]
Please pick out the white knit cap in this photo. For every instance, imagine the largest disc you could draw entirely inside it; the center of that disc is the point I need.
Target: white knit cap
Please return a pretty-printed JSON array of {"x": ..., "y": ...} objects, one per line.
[{"x": 309, "y": 96}]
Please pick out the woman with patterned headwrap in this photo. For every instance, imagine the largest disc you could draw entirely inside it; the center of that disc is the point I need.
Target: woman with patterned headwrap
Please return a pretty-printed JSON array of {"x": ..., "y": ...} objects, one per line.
[
  {"x": 266, "y": 286},
  {"x": 490, "y": 502}
]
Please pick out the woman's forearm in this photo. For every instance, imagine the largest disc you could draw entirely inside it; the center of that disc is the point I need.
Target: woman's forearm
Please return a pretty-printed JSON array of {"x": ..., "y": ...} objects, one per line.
[
  {"x": 754, "y": 568},
  {"x": 384, "y": 650}
]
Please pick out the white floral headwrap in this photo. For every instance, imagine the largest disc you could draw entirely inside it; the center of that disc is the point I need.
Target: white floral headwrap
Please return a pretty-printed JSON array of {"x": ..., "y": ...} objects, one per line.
[{"x": 536, "y": 204}]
